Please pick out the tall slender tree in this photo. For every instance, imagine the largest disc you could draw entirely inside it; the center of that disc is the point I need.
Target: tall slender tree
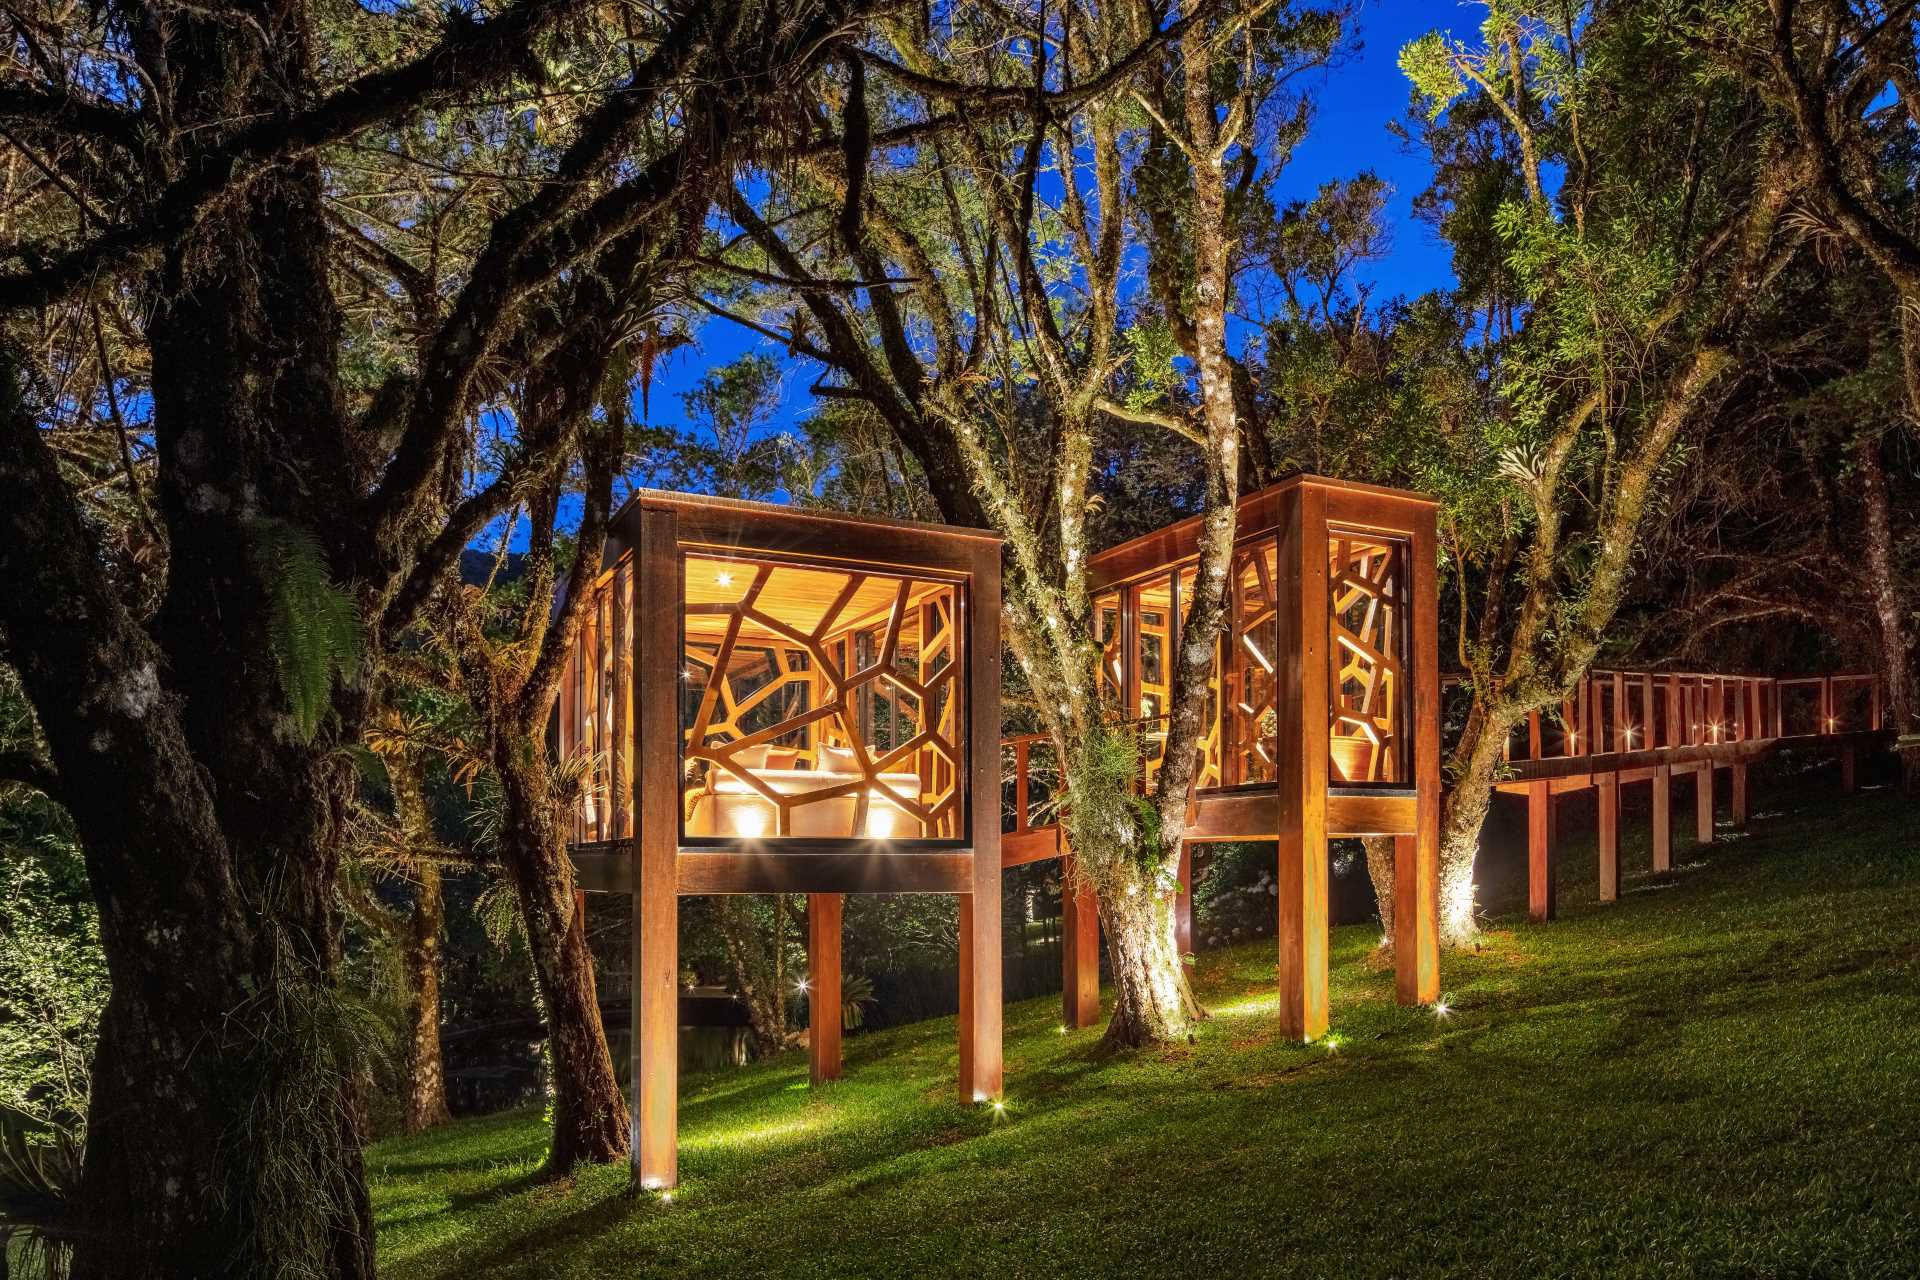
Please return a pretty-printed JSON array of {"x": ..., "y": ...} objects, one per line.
[{"x": 972, "y": 291}]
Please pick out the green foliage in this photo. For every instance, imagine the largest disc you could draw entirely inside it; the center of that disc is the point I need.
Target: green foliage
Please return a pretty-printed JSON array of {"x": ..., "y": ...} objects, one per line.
[
  {"x": 1428, "y": 63},
  {"x": 294, "y": 1050},
  {"x": 314, "y": 628},
  {"x": 856, "y": 993},
  {"x": 1153, "y": 349}
]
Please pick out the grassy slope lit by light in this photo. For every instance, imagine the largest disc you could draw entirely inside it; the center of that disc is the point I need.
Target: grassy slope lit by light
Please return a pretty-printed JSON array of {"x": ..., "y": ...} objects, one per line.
[{"x": 1720, "y": 1075}]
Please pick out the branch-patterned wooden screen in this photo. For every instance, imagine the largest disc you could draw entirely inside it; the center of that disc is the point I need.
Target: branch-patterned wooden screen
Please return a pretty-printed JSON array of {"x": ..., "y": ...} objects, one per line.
[
  {"x": 820, "y": 702},
  {"x": 1368, "y": 690},
  {"x": 1248, "y": 724}
]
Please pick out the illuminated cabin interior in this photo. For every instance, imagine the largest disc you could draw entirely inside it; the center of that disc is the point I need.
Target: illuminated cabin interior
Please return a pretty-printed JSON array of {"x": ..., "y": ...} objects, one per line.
[
  {"x": 772, "y": 699},
  {"x": 1321, "y": 719}
]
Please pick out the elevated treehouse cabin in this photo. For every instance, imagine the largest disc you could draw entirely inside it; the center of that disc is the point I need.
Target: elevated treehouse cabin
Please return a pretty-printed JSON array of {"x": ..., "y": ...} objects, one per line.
[
  {"x": 1322, "y": 717},
  {"x": 783, "y": 700}
]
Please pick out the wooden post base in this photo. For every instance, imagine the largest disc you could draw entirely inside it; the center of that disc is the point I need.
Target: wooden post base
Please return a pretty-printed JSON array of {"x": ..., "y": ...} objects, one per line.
[
  {"x": 824, "y": 987},
  {"x": 1739, "y": 776},
  {"x": 1849, "y": 773},
  {"x": 1703, "y": 804}
]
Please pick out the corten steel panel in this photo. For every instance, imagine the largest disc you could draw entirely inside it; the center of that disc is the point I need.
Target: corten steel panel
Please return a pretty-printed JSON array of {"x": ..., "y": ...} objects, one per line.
[
  {"x": 705, "y": 871},
  {"x": 762, "y": 526}
]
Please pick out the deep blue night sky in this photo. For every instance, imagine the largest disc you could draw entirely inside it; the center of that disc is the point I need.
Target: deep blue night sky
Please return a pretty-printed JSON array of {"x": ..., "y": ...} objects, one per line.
[{"x": 1354, "y": 104}]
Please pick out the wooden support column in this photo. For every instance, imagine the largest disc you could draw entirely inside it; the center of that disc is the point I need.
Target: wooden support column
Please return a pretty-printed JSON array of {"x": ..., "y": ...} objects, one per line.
[
  {"x": 1300, "y": 772},
  {"x": 1607, "y": 789},
  {"x": 824, "y": 987},
  {"x": 1849, "y": 775},
  {"x": 1662, "y": 817},
  {"x": 980, "y": 1019},
  {"x": 1416, "y": 858},
  {"x": 1703, "y": 802},
  {"x": 654, "y": 1142},
  {"x": 1739, "y": 775},
  {"x": 1079, "y": 949},
  {"x": 1540, "y": 886}
]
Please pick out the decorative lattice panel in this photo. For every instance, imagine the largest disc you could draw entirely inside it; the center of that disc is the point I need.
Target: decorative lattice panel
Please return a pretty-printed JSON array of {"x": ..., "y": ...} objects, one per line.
[
  {"x": 820, "y": 703},
  {"x": 1367, "y": 694}
]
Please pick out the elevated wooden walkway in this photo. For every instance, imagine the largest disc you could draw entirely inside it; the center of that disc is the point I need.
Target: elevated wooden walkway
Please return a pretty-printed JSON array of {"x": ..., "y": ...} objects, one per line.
[
  {"x": 1651, "y": 726},
  {"x": 1624, "y": 727}
]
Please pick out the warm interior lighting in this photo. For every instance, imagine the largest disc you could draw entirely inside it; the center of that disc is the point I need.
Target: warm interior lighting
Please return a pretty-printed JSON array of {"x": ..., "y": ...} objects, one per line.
[
  {"x": 723, "y": 578},
  {"x": 750, "y": 821},
  {"x": 879, "y": 821}
]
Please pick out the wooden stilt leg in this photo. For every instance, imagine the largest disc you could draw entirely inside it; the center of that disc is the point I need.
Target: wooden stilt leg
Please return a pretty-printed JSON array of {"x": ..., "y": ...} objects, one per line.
[
  {"x": 980, "y": 994},
  {"x": 823, "y": 985},
  {"x": 1540, "y": 906},
  {"x": 1849, "y": 777},
  {"x": 1303, "y": 937},
  {"x": 1416, "y": 858},
  {"x": 1300, "y": 751},
  {"x": 1079, "y": 951},
  {"x": 1607, "y": 786},
  {"x": 1739, "y": 772},
  {"x": 655, "y": 1139},
  {"x": 1662, "y": 818},
  {"x": 1703, "y": 804},
  {"x": 1416, "y": 918}
]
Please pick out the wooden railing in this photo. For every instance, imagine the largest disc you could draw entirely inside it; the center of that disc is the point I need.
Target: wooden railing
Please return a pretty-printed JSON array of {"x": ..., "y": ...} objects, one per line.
[{"x": 1615, "y": 711}]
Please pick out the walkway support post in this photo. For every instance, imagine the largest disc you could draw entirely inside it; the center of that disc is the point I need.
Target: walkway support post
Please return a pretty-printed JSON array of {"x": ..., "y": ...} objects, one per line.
[
  {"x": 1607, "y": 786},
  {"x": 1662, "y": 818},
  {"x": 1540, "y": 886}
]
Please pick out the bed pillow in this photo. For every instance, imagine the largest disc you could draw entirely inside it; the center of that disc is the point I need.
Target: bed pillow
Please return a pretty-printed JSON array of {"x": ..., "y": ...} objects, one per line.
[{"x": 839, "y": 760}]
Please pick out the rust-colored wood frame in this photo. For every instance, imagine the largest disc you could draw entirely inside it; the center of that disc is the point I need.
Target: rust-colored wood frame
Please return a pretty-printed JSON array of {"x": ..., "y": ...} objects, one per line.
[{"x": 656, "y": 867}]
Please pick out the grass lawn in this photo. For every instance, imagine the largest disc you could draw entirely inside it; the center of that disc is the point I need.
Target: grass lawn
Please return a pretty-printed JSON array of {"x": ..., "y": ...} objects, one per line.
[{"x": 1720, "y": 1075}]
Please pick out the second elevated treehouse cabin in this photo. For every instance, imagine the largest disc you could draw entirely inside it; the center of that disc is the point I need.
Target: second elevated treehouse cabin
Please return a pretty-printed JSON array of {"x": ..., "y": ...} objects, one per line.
[{"x": 1322, "y": 716}]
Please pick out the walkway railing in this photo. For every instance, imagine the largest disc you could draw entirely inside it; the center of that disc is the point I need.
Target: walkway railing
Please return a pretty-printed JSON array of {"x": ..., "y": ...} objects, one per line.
[
  {"x": 1620, "y": 727},
  {"x": 1616, "y": 711}
]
